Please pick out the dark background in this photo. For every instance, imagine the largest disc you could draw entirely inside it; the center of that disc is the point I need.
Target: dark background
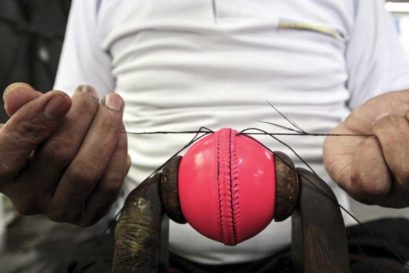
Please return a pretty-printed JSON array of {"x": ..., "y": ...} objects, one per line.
[{"x": 31, "y": 37}]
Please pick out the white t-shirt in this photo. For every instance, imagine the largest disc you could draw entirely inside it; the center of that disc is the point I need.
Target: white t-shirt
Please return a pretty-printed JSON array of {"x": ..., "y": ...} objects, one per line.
[{"x": 183, "y": 64}]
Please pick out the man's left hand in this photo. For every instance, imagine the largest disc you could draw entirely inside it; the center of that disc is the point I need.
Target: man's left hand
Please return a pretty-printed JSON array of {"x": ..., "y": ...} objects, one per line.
[{"x": 374, "y": 167}]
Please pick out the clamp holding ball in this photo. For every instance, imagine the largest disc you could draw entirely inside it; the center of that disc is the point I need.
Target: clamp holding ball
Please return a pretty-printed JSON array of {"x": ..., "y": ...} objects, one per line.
[{"x": 229, "y": 187}]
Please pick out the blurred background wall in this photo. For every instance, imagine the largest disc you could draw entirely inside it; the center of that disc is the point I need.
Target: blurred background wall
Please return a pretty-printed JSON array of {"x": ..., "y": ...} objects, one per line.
[{"x": 31, "y": 36}]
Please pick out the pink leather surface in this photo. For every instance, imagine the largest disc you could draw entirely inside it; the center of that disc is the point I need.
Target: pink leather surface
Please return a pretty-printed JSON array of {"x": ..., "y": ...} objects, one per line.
[{"x": 227, "y": 186}]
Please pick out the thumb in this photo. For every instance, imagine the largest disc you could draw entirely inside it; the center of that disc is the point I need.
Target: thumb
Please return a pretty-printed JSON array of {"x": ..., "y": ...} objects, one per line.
[{"x": 16, "y": 95}]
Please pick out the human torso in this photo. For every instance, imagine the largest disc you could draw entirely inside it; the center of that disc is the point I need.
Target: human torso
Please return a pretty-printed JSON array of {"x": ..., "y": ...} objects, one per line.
[{"x": 184, "y": 64}]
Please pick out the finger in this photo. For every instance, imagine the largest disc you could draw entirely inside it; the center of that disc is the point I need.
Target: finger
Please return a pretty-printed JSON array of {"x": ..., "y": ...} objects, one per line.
[
  {"x": 109, "y": 186},
  {"x": 392, "y": 132},
  {"x": 370, "y": 181},
  {"x": 28, "y": 128},
  {"x": 16, "y": 95},
  {"x": 88, "y": 167},
  {"x": 50, "y": 160}
]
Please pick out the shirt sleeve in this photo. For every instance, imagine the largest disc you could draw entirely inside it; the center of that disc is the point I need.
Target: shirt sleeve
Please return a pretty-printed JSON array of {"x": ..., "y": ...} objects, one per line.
[
  {"x": 83, "y": 61},
  {"x": 375, "y": 59}
]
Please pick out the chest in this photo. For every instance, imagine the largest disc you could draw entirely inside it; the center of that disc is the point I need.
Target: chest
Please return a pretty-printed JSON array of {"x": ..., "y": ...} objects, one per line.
[{"x": 261, "y": 49}]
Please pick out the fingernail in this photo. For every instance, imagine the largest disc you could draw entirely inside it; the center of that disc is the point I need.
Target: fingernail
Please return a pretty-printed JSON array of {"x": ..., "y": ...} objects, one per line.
[
  {"x": 14, "y": 86},
  {"x": 57, "y": 107},
  {"x": 113, "y": 101},
  {"x": 381, "y": 116},
  {"x": 88, "y": 89}
]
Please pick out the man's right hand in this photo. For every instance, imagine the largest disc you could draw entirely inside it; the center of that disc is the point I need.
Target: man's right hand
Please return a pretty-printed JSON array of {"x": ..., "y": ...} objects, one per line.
[{"x": 65, "y": 157}]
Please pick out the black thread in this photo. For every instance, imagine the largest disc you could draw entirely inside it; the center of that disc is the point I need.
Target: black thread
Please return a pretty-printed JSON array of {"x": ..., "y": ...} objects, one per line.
[{"x": 248, "y": 133}]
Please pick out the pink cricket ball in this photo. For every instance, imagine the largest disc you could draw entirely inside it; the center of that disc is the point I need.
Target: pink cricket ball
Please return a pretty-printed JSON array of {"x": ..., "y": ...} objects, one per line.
[{"x": 227, "y": 186}]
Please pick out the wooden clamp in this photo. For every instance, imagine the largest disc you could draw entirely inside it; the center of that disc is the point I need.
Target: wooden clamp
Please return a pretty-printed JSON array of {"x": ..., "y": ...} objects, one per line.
[{"x": 319, "y": 243}]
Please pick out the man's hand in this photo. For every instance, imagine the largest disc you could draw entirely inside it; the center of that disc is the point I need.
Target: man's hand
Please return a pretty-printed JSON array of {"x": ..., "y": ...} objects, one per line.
[
  {"x": 65, "y": 157},
  {"x": 373, "y": 169}
]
